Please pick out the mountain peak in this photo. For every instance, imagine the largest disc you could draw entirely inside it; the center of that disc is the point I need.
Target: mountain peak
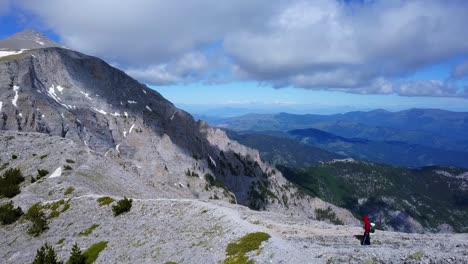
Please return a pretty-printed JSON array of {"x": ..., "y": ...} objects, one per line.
[{"x": 27, "y": 39}]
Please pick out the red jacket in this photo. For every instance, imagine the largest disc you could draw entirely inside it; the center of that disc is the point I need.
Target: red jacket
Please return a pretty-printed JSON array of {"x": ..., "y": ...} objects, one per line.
[{"x": 366, "y": 224}]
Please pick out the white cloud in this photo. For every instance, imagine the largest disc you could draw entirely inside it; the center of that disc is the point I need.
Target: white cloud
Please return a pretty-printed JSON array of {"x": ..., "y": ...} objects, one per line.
[
  {"x": 360, "y": 47},
  {"x": 460, "y": 70},
  {"x": 433, "y": 88}
]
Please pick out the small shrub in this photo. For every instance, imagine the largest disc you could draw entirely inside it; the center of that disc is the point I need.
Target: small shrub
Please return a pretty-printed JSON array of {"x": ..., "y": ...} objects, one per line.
[
  {"x": 76, "y": 257},
  {"x": 88, "y": 231},
  {"x": 67, "y": 167},
  {"x": 106, "y": 200},
  {"x": 69, "y": 190},
  {"x": 33, "y": 180},
  {"x": 43, "y": 156},
  {"x": 8, "y": 213},
  {"x": 122, "y": 206},
  {"x": 60, "y": 241},
  {"x": 9, "y": 183},
  {"x": 236, "y": 251},
  {"x": 41, "y": 173},
  {"x": 46, "y": 255},
  {"x": 92, "y": 253},
  {"x": 4, "y": 166},
  {"x": 38, "y": 220},
  {"x": 416, "y": 256},
  {"x": 14, "y": 156},
  {"x": 70, "y": 161},
  {"x": 327, "y": 215},
  {"x": 53, "y": 214},
  {"x": 170, "y": 262}
]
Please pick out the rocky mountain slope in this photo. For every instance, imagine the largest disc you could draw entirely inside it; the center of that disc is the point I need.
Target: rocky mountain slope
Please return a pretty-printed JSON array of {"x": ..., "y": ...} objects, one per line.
[{"x": 63, "y": 93}]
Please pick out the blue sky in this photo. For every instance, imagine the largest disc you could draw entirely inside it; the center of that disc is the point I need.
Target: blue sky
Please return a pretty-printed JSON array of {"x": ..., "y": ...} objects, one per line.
[{"x": 295, "y": 56}]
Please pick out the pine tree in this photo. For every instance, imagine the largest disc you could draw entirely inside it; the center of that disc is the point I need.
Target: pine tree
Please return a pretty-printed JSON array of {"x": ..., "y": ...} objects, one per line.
[
  {"x": 77, "y": 256},
  {"x": 46, "y": 255}
]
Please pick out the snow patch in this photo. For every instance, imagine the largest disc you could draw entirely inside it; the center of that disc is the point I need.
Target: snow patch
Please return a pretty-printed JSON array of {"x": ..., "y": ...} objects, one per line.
[
  {"x": 131, "y": 128},
  {"x": 33, "y": 56},
  {"x": 5, "y": 53},
  {"x": 125, "y": 133},
  {"x": 53, "y": 95},
  {"x": 125, "y": 114},
  {"x": 86, "y": 95},
  {"x": 100, "y": 111},
  {"x": 116, "y": 114},
  {"x": 212, "y": 160},
  {"x": 40, "y": 42},
  {"x": 56, "y": 173},
  {"x": 42, "y": 116},
  {"x": 131, "y": 102},
  {"x": 20, "y": 114},
  {"x": 117, "y": 148},
  {"x": 144, "y": 91},
  {"x": 149, "y": 109},
  {"x": 107, "y": 152},
  {"x": 1, "y": 104},
  {"x": 15, "y": 99},
  {"x": 60, "y": 89},
  {"x": 172, "y": 117}
]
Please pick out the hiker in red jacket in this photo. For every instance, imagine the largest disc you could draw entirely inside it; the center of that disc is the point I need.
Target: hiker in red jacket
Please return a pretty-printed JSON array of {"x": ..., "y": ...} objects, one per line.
[{"x": 366, "y": 238}]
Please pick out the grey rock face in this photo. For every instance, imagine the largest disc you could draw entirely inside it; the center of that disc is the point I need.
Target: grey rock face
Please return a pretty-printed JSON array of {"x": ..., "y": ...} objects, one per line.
[
  {"x": 67, "y": 94},
  {"x": 27, "y": 39}
]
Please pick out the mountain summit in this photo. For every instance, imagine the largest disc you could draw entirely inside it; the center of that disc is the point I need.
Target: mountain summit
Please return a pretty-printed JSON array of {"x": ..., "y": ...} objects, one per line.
[{"x": 27, "y": 39}]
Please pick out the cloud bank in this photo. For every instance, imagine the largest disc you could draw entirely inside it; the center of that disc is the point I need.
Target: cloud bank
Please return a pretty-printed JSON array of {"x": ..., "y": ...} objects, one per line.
[{"x": 350, "y": 46}]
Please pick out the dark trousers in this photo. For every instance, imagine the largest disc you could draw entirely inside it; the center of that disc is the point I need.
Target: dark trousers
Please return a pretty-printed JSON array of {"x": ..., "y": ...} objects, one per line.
[{"x": 365, "y": 239}]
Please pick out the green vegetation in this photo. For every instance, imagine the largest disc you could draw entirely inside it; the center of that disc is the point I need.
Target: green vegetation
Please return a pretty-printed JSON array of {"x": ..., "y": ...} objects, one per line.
[
  {"x": 416, "y": 256},
  {"x": 425, "y": 194},
  {"x": 122, "y": 206},
  {"x": 70, "y": 161},
  {"x": 36, "y": 216},
  {"x": 106, "y": 200},
  {"x": 92, "y": 253},
  {"x": 40, "y": 174},
  {"x": 8, "y": 213},
  {"x": 14, "y": 156},
  {"x": 88, "y": 231},
  {"x": 69, "y": 190},
  {"x": 4, "y": 166},
  {"x": 46, "y": 255},
  {"x": 43, "y": 156},
  {"x": 170, "y": 262},
  {"x": 236, "y": 251},
  {"x": 9, "y": 183},
  {"x": 67, "y": 167},
  {"x": 212, "y": 182},
  {"x": 76, "y": 257},
  {"x": 327, "y": 215},
  {"x": 189, "y": 173},
  {"x": 60, "y": 241}
]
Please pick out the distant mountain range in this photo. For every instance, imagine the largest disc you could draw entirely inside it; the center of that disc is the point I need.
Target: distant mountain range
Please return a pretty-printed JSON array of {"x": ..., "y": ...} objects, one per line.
[
  {"x": 402, "y": 199},
  {"x": 279, "y": 149},
  {"x": 415, "y": 137}
]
